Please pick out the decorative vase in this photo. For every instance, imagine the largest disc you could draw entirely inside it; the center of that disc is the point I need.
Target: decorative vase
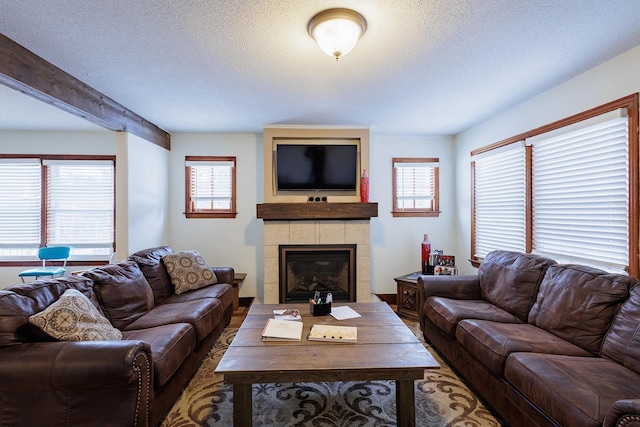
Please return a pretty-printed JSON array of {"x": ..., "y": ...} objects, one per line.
[
  {"x": 426, "y": 253},
  {"x": 364, "y": 187}
]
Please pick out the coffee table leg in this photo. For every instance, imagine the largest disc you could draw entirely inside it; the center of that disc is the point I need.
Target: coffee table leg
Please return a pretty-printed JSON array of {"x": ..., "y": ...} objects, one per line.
[
  {"x": 405, "y": 403},
  {"x": 242, "y": 405}
]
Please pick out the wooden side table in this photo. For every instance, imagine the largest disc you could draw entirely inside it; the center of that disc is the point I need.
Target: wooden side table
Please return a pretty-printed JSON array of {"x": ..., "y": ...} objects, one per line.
[
  {"x": 408, "y": 295},
  {"x": 238, "y": 278}
]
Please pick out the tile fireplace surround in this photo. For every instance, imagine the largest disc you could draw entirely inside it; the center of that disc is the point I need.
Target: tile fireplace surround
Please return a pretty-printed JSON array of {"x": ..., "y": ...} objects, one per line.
[{"x": 316, "y": 232}]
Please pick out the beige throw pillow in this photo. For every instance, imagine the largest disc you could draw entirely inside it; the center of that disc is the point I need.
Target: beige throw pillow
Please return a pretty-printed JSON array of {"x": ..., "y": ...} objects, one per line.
[
  {"x": 188, "y": 271},
  {"x": 74, "y": 318}
]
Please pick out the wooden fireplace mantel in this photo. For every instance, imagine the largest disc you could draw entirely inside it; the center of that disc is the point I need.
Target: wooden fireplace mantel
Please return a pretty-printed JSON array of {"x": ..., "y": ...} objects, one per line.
[{"x": 315, "y": 211}]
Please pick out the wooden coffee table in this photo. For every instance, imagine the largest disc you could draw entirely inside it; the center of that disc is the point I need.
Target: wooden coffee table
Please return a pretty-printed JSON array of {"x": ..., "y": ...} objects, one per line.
[{"x": 386, "y": 350}]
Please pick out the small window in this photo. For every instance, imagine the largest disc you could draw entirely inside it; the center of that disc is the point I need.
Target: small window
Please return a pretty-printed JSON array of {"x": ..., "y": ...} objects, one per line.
[
  {"x": 499, "y": 208},
  {"x": 415, "y": 187},
  {"x": 80, "y": 206},
  {"x": 210, "y": 187}
]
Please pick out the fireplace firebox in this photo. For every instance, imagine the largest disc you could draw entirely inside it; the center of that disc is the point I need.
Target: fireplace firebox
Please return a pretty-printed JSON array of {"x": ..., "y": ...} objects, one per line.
[{"x": 305, "y": 269}]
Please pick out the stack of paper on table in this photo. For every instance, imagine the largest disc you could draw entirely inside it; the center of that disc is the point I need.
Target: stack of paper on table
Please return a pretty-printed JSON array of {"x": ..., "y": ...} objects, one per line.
[
  {"x": 344, "y": 312},
  {"x": 282, "y": 330}
]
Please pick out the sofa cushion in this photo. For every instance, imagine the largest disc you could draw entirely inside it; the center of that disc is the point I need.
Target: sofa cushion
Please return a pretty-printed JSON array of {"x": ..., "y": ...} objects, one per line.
[
  {"x": 510, "y": 280},
  {"x": 574, "y": 391},
  {"x": 577, "y": 303},
  {"x": 170, "y": 346},
  {"x": 19, "y": 302},
  {"x": 74, "y": 318},
  {"x": 150, "y": 262},
  {"x": 188, "y": 270},
  {"x": 622, "y": 343},
  {"x": 204, "y": 315},
  {"x": 445, "y": 313},
  {"x": 123, "y": 292},
  {"x": 492, "y": 342}
]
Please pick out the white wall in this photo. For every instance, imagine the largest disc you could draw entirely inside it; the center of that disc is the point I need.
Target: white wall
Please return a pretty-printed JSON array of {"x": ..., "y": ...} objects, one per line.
[
  {"x": 231, "y": 242},
  {"x": 607, "y": 82},
  {"x": 52, "y": 142},
  {"x": 142, "y": 197},
  {"x": 395, "y": 242}
]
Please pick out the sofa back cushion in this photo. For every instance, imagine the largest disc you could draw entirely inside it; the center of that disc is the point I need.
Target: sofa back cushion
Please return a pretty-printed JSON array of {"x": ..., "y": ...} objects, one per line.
[
  {"x": 622, "y": 343},
  {"x": 577, "y": 303},
  {"x": 123, "y": 292},
  {"x": 154, "y": 270},
  {"x": 510, "y": 280},
  {"x": 19, "y": 302}
]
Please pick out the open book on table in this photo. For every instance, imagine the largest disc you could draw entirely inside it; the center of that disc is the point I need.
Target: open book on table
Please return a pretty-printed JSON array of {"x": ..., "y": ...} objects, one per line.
[
  {"x": 282, "y": 330},
  {"x": 333, "y": 333}
]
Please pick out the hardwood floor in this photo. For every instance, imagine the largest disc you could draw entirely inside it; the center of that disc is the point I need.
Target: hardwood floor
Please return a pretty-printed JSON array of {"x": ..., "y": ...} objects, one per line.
[{"x": 236, "y": 321}]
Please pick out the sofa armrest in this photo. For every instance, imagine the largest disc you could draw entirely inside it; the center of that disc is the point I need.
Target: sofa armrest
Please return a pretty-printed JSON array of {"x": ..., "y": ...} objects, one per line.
[
  {"x": 224, "y": 274},
  {"x": 455, "y": 287},
  {"x": 91, "y": 380},
  {"x": 625, "y": 412}
]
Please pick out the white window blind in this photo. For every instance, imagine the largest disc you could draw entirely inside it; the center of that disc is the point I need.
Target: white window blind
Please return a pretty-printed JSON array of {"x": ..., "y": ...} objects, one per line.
[
  {"x": 415, "y": 185},
  {"x": 80, "y": 206},
  {"x": 581, "y": 194},
  {"x": 20, "y": 199},
  {"x": 500, "y": 200},
  {"x": 211, "y": 185}
]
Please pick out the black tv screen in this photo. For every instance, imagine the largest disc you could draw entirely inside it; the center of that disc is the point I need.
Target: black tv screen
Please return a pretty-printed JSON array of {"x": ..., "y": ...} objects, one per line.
[{"x": 316, "y": 167}]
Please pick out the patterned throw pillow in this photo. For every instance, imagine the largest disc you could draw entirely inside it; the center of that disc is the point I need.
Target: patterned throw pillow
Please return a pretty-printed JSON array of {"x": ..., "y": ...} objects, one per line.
[
  {"x": 188, "y": 271},
  {"x": 74, "y": 318}
]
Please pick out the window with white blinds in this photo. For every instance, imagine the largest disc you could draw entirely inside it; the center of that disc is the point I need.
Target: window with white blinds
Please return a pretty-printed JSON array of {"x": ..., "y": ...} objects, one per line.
[
  {"x": 80, "y": 209},
  {"x": 20, "y": 213},
  {"x": 581, "y": 194},
  {"x": 210, "y": 186},
  {"x": 45, "y": 202},
  {"x": 415, "y": 186},
  {"x": 499, "y": 200},
  {"x": 565, "y": 192}
]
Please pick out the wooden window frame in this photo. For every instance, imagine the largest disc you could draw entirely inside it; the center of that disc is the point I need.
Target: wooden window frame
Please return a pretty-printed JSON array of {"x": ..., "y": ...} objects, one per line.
[
  {"x": 211, "y": 213},
  {"x": 629, "y": 102},
  {"x": 43, "y": 206},
  {"x": 435, "y": 209}
]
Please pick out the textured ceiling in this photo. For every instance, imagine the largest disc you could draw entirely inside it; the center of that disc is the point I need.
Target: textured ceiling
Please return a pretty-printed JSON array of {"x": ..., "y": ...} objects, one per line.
[{"x": 422, "y": 68}]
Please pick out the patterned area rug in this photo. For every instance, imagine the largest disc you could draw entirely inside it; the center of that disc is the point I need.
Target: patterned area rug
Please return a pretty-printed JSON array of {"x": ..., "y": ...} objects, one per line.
[{"x": 442, "y": 399}]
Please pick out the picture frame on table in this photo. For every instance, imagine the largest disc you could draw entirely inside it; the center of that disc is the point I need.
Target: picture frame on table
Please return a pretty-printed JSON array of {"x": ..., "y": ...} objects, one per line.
[{"x": 446, "y": 260}]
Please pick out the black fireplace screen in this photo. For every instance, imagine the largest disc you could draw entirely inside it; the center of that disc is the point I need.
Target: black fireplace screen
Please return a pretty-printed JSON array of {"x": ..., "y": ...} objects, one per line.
[{"x": 305, "y": 269}]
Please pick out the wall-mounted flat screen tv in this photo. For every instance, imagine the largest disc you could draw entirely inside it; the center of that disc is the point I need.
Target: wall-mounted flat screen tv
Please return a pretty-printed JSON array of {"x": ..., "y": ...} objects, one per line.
[{"x": 316, "y": 167}]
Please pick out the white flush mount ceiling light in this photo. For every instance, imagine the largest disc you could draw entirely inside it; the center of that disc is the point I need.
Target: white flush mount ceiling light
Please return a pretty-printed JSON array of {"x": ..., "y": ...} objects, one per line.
[{"x": 337, "y": 30}]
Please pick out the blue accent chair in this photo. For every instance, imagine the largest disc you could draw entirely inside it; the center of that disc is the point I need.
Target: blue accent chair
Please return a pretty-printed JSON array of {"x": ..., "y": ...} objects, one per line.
[{"x": 60, "y": 253}]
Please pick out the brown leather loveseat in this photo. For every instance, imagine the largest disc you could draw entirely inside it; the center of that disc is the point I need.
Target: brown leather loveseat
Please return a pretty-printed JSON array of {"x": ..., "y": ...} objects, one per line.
[
  {"x": 129, "y": 382},
  {"x": 544, "y": 344}
]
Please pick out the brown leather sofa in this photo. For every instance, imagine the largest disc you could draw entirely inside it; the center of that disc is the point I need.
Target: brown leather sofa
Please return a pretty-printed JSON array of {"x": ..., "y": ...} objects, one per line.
[
  {"x": 132, "y": 382},
  {"x": 544, "y": 344}
]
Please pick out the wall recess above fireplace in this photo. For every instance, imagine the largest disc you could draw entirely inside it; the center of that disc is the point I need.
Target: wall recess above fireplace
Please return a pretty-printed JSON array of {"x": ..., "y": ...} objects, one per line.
[{"x": 275, "y": 136}]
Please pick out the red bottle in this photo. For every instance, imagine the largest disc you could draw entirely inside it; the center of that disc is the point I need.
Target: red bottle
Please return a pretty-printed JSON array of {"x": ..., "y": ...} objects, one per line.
[
  {"x": 364, "y": 187},
  {"x": 426, "y": 253}
]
